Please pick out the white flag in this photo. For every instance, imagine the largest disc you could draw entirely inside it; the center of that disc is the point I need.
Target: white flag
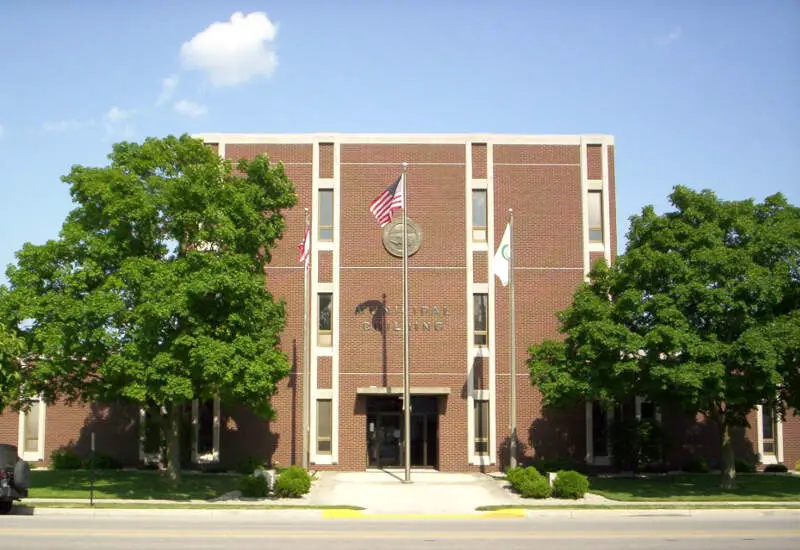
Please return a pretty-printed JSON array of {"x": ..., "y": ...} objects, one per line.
[{"x": 502, "y": 257}]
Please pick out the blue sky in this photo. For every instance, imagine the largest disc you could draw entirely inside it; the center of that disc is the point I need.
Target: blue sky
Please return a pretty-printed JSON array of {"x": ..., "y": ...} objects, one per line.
[{"x": 703, "y": 94}]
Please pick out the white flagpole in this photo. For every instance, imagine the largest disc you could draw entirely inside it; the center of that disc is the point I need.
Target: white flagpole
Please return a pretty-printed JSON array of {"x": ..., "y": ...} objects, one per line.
[
  {"x": 406, "y": 370},
  {"x": 306, "y": 348},
  {"x": 512, "y": 449}
]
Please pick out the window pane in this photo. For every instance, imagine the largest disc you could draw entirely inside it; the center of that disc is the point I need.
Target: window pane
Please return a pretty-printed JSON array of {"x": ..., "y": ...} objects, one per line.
[
  {"x": 152, "y": 434},
  {"x": 480, "y": 319},
  {"x": 326, "y": 214},
  {"x": 31, "y": 444},
  {"x": 479, "y": 208},
  {"x": 205, "y": 425},
  {"x": 324, "y": 426},
  {"x": 599, "y": 429},
  {"x": 648, "y": 410},
  {"x": 481, "y": 409},
  {"x": 767, "y": 423},
  {"x": 595, "y": 204},
  {"x": 325, "y": 303}
]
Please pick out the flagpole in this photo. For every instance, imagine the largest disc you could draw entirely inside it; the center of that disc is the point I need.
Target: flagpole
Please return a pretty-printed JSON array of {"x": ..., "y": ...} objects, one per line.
[
  {"x": 406, "y": 370},
  {"x": 306, "y": 360},
  {"x": 512, "y": 450}
]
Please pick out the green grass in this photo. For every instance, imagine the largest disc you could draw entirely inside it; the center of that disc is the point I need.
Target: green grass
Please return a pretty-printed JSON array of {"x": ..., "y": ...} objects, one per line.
[
  {"x": 144, "y": 485},
  {"x": 698, "y": 488},
  {"x": 178, "y": 506},
  {"x": 643, "y": 506}
]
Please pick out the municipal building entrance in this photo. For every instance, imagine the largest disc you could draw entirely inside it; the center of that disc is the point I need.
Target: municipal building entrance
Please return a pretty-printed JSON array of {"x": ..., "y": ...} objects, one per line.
[{"x": 385, "y": 431}]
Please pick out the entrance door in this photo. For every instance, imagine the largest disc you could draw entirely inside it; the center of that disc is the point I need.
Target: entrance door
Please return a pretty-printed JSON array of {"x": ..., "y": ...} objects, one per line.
[{"x": 385, "y": 432}]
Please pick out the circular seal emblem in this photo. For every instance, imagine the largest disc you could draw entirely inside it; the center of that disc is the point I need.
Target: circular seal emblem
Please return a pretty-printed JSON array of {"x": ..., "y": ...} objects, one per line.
[{"x": 393, "y": 237}]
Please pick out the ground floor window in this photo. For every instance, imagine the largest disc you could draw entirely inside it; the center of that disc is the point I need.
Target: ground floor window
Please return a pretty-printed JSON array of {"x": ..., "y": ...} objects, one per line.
[
  {"x": 202, "y": 441},
  {"x": 769, "y": 434},
  {"x": 31, "y": 431},
  {"x": 481, "y": 409},
  {"x": 324, "y": 426}
]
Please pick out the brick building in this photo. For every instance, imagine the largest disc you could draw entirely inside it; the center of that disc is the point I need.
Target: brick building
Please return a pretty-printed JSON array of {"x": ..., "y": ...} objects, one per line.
[{"x": 459, "y": 189}]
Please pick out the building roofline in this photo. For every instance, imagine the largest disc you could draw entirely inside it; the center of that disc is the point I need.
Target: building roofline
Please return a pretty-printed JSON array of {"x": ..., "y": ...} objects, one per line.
[{"x": 423, "y": 139}]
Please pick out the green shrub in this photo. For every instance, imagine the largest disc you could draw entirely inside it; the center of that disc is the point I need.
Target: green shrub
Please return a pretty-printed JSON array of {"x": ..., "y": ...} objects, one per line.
[
  {"x": 293, "y": 482},
  {"x": 744, "y": 467},
  {"x": 776, "y": 468},
  {"x": 250, "y": 464},
  {"x": 535, "y": 487},
  {"x": 696, "y": 465},
  {"x": 65, "y": 459},
  {"x": 103, "y": 461},
  {"x": 570, "y": 484},
  {"x": 254, "y": 486}
]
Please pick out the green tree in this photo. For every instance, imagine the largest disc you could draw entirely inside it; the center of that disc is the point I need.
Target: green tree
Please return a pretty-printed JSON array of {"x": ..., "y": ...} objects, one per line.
[
  {"x": 701, "y": 312},
  {"x": 11, "y": 354},
  {"x": 154, "y": 292}
]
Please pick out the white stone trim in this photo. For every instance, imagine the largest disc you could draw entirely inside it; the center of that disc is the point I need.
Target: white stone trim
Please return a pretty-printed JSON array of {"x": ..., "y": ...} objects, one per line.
[
  {"x": 214, "y": 455},
  {"x": 38, "y": 454},
  {"x": 606, "y": 205},
  {"x": 423, "y": 139},
  {"x": 771, "y": 458},
  {"x": 585, "y": 211}
]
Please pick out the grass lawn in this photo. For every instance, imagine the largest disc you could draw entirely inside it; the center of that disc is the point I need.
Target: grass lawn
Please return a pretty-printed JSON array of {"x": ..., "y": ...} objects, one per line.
[
  {"x": 698, "y": 488},
  {"x": 129, "y": 484}
]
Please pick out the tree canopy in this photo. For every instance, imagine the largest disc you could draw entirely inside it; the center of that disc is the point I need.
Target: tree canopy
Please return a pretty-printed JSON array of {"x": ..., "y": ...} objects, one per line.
[
  {"x": 700, "y": 312},
  {"x": 154, "y": 292}
]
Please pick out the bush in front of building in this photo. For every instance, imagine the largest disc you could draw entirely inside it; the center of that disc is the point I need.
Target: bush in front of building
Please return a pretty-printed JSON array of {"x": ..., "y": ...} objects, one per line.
[
  {"x": 744, "y": 467},
  {"x": 776, "y": 468},
  {"x": 696, "y": 465},
  {"x": 253, "y": 486},
  {"x": 250, "y": 464},
  {"x": 293, "y": 482},
  {"x": 103, "y": 461},
  {"x": 528, "y": 482},
  {"x": 570, "y": 484},
  {"x": 65, "y": 459}
]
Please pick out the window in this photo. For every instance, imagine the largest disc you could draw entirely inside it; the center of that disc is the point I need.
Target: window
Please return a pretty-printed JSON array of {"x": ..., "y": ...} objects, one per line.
[
  {"x": 595, "y": 216},
  {"x": 479, "y": 214},
  {"x": 600, "y": 422},
  {"x": 205, "y": 417},
  {"x": 31, "y": 431},
  {"x": 324, "y": 426},
  {"x": 151, "y": 439},
  {"x": 325, "y": 215},
  {"x": 768, "y": 430},
  {"x": 481, "y": 408},
  {"x": 325, "y": 333},
  {"x": 480, "y": 319}
]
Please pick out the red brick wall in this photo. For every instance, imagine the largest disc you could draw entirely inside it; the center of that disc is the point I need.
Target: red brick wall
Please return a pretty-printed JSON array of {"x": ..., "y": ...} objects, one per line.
[
  {"x": 594, "y": 162},
  {"x": 479, "y": 160},
  {"x": 480, "y": 267},
  {"x": 325, "y": 261},
  {"x": 326, "y": 160}
]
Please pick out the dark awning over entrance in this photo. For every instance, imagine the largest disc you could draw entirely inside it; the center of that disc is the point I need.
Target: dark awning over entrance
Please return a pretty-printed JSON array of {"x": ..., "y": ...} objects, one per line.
[{"x": 398, "y": 390}]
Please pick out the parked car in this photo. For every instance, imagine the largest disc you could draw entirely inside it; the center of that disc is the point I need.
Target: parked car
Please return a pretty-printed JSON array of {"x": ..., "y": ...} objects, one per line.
[{"x": 14, "y": 477}]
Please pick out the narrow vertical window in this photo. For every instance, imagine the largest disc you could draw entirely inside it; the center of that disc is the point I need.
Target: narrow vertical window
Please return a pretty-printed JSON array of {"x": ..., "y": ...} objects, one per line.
[
  {"x": 595, "y": 216},
  {"x": 768, "y": 429},
  {"x": 481, "y": 408},
  {"x": 479, "y": 215},
  {"x": 324, "y": 426},
  {"x": 325, "y": 214},
  {"x": 600, "y": 433},
  {"x": 325, "y": 338},
  {"x": 205, "y": 428},
  {"x": 480, "y": 316},
  {"x": 32, "y": 429}
]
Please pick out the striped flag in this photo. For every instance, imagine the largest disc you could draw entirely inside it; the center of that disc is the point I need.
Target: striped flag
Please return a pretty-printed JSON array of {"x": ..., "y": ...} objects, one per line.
[
  {"x": 305, "y": 246},
  {"x": 388, "y": 201}
]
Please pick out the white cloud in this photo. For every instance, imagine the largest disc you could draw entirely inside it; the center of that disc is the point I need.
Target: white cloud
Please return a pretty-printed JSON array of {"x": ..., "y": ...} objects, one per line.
[
  {"x": 672, "y": 36},
  {"x": 168, "y": 86},
  {"x": 66, "y": 125},
  {"x": 118, "y": 122},
  {"x": 234, "y": 51},
  {"x": 190, "y": 108}
]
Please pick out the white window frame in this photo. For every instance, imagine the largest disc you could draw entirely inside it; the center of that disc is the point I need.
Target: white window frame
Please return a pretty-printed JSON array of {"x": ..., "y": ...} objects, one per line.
[
  {"x": 213, "y": 456},
  {"x": 38, "y": 454},
  {"x": 777, "y": 457}
]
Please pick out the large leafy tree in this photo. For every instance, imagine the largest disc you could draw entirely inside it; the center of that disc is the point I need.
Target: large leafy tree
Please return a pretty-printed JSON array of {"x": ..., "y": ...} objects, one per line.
[
  {"x": 701, "y": 312},
  {"x": 154, "y": 292}
]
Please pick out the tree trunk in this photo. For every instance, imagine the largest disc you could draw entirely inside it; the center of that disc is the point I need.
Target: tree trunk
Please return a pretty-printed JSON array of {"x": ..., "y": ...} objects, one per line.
[
  {"x": 728, "y": 457},
  {"x": 174, "y": 443}
]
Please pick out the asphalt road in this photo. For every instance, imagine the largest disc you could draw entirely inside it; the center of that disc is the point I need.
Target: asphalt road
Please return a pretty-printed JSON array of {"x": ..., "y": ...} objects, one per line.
[{"x": 729, "y": 530}]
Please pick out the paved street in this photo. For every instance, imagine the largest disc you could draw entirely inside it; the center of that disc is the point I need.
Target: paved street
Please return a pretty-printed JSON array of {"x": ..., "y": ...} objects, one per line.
[{"x": 281, "y": 530}]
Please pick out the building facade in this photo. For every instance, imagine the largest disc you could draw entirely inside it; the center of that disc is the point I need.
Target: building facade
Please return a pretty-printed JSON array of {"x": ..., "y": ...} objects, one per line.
[{"x": 459, "y": 189}]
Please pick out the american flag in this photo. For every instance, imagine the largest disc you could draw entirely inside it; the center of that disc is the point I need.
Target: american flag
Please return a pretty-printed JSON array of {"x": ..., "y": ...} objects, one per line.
[
  {"x": 388, "y": 201},
  {"x": 305, "y": 246}
]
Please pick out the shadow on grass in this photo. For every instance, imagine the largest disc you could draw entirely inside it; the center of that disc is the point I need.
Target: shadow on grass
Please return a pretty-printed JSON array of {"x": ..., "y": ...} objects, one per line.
[
  {"x": 698, "y": 487},
  {"x": 143, "y": 485}
]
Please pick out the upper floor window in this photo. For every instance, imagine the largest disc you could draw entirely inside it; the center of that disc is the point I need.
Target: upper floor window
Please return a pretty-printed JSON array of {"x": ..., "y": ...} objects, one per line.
[
  {"x": 325, "y": 332},
  {"x": 480, "y": 316},
  {"x": 479, "y": 215},
  {"x": 595, "y": 216},
  {"x": 325, "y": 215}
]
